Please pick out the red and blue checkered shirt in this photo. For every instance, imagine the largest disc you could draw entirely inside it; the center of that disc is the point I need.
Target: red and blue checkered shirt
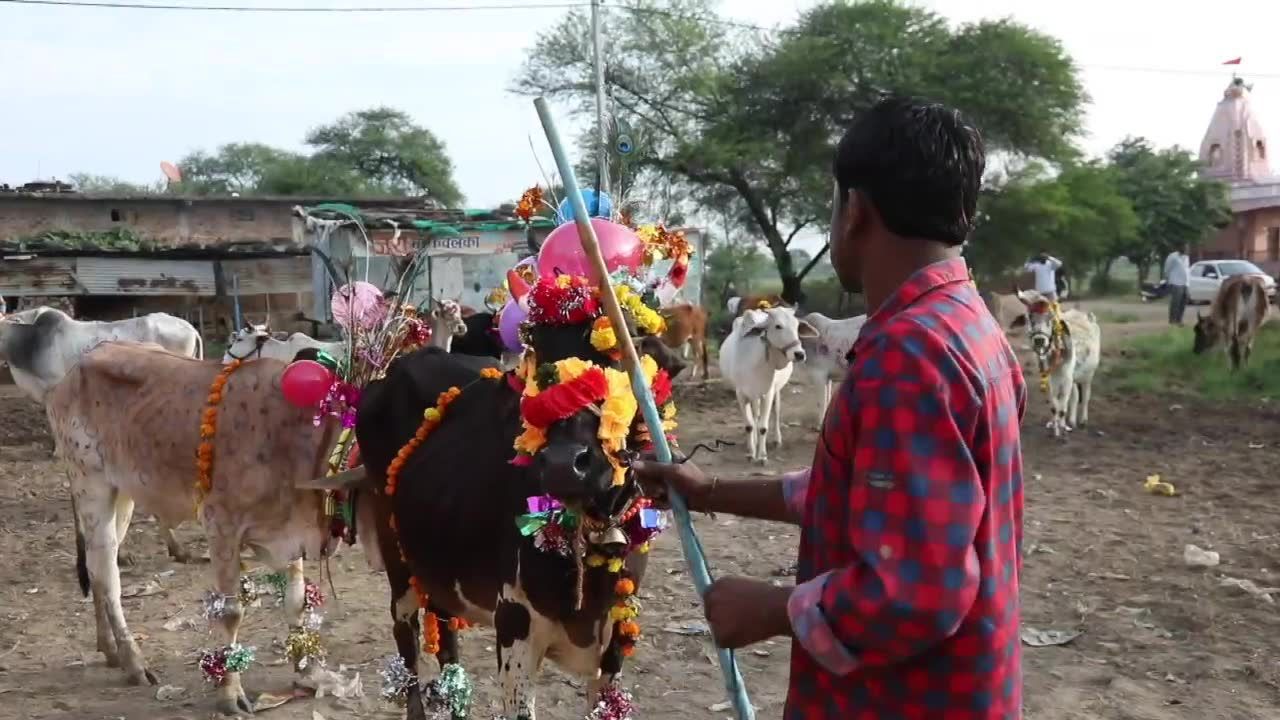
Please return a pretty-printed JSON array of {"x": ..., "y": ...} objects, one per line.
[{"x": 907, "y": 603}]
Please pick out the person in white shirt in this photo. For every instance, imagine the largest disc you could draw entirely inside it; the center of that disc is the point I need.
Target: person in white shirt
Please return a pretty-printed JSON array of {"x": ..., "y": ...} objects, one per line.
[
  {"x": 1177, "y": 269},
  {"x": 1045, "y": 268}
]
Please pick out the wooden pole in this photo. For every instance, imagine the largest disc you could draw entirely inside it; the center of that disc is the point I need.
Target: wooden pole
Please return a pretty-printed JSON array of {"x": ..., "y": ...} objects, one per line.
[{"x": 692, "y": 547}]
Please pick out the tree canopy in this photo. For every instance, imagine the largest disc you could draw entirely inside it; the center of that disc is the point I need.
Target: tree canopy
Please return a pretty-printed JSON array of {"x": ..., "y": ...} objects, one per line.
[
  {"x": 750, "y": 120},
  {"x": 379, "y": 151}
]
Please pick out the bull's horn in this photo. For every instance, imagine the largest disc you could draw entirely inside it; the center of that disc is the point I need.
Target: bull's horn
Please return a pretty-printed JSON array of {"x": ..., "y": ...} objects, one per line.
[
  {"x": 516, "y": 284},
  {"x": 342, "y": 481}
]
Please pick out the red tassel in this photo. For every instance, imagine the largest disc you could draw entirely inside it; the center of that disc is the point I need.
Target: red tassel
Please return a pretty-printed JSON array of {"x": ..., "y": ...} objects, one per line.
[{"x": 661, "y": 388}]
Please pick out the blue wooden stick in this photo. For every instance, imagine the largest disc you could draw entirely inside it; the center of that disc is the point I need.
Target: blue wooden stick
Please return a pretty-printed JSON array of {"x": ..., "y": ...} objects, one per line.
[{"x": 693, "y": 554}]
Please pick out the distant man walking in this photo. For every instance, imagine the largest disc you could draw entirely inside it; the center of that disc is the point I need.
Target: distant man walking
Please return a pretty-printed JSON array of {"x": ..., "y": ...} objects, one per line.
[
  {"x": 1045, "y": 268},
  {"x": 1177, "y": 269}
]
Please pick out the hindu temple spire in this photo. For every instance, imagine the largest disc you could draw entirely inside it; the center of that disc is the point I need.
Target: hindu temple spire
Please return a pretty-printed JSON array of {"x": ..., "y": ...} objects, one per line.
[{"x": 1235, "y": 147}]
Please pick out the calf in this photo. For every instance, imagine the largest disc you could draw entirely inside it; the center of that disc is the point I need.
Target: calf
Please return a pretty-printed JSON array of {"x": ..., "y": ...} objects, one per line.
[
  {"x": 127, "y": 424},
  {"x": 687, "y": 328},
  {"x": 1068, "y": 348},
  {"x": 756, "y": 359},
  {"x": 447, "y": 529},
  {"x": 827, "y": 355},
  {"x": 481, "y": 338},
  {"x": 42, "y": 344},
  {"x": 1238, "y": 311}
]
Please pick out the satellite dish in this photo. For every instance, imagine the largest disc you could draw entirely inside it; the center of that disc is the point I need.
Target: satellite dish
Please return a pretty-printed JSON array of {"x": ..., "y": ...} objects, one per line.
[{"x": 171, "y": 171}]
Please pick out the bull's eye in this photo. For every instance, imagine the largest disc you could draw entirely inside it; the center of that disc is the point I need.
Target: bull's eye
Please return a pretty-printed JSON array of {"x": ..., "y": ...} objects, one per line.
[{"x": 777, "y": 327}]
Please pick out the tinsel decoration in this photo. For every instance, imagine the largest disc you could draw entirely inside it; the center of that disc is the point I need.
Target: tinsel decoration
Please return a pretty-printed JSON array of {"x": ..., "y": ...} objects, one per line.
[
  {"x": 614, "y": 704},
  {"x": 215, "y": 606},
  {"x": 449, "y": 695},
  {"x": 216, "y": 664},
  {"x": 303, "y": 648},
  {"x": 312, "y": 597},
  {"x": 276, "y": 582},
  {"x": 396, "y": 678},
  {"x": 312, "y": 620},
  {"x": 248, "y": 590}
]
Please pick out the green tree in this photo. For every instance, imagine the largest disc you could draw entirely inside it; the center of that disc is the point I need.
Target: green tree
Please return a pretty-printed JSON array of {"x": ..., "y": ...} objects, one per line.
[
  {"x": 1174, "y": 205},
  {"x": 726, "y": 112},
  {"x": 234, "y": 167},
  {"x": 91, "y": 183},
  {"x": 388, "y": 150}
]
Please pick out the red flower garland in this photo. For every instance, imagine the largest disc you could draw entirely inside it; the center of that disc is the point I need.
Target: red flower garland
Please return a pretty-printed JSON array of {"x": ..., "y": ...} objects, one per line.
[
  {"x": 563, "y": 300},
  {"x": 562, "y": 400},
  {"x": 661, "y": 388}
]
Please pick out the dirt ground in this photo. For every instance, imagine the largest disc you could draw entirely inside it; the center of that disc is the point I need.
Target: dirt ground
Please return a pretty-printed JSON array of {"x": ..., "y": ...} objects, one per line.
[{"x": 1103, "y": 556}]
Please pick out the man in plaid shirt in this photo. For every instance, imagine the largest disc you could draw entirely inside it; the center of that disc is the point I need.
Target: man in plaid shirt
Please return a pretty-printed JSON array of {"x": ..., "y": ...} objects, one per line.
[{"x": 911, "y": 514}]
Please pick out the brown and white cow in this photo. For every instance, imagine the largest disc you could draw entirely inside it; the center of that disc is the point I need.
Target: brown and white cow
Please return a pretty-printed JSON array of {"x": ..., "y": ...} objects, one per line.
[
  {"x": 1238, "y": 310},
  {"x": 687, "y": 330},
  {"x": 126, "y": 421},
  {"x": 456, "y": 504}
]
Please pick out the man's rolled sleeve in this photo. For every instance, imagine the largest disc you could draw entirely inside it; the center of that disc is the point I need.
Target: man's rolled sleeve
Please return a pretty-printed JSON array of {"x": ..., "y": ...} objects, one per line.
[
  {"x": 795, "y": 492},
  {"x": 915, "y": 503}
]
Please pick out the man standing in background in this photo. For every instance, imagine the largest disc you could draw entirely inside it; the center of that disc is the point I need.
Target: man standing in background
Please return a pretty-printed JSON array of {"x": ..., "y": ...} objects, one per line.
[
  {"x": 1176, "y": 272},
  {"x": 1045, "y": 268}
]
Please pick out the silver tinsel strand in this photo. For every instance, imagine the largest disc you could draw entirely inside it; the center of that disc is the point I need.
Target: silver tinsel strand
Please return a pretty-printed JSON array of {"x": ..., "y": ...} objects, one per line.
[
  {"x": 396, "y": 679},
  {"x": 449, "y": 696}
]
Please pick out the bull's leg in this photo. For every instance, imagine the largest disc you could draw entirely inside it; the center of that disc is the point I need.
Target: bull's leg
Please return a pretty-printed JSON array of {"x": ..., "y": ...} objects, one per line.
[
  {"x": 1233, "y": 352},
  {"x": 1086, "y": 392},
  {"x": 404, "y": 623},
  {"x": 224, "y": 553},
  {"x": 777, "y": 418},
  {"x": 176, "y": 549},
  {"x": 748, "y": 412},
  {"x": 610, "y": 669},
  {"x": 1073, "y": 404},
  {"x": 762, "y": 417},
  {"x": 518, "y": 656},
  {"x": 98, "y": 503}
]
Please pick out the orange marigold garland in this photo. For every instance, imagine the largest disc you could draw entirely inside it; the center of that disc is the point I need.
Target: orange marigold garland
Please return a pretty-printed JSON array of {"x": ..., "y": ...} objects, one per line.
[
  {"x": 624, "y": 613},
  {"x": 529, "y": 203},
  {"x": 209, "y": 430}
]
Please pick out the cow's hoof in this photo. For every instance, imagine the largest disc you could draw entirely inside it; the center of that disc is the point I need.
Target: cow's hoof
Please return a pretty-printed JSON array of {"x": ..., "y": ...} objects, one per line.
[
  {"x": 760, "y": 461},
  {"x": 234, "y": 704},
  {"x": 142, "y": 676}
]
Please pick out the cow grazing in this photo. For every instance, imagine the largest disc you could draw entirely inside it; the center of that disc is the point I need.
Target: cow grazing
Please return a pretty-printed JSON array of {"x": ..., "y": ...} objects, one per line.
[
  {"x": 456, "y": 504},
  {"x": 42, "y": 344},
  {"x": 1238, "y": 311},
  {"x": 757, "y": 360},
  {"x": 687, "y": 329},
  {"x": 1068, "y": 348},
  {"x": 826, "y": 356},
  {"x": 126, "y": 422}
]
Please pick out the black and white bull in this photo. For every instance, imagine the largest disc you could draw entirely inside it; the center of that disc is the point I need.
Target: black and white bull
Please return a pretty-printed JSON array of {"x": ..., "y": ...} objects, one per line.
[{"x": 455, "y": 507}]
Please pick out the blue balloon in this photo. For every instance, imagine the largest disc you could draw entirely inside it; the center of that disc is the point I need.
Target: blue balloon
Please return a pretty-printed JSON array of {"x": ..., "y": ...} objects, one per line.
[{"x": 601, "y": 209}]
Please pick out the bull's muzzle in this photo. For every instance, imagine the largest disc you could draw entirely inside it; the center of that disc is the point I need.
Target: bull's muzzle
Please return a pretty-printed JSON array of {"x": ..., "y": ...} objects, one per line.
[{"x": 564, "y": 470}]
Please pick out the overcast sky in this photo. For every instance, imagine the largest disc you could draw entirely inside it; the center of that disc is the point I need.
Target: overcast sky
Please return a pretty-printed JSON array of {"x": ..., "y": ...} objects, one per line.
[{"x": 115, "y": 91}]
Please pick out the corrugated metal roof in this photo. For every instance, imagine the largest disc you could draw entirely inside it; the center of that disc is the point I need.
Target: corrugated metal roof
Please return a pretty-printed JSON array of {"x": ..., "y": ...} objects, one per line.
[
  {"x": 268, "y": 275},
  {"x": 38, "y": 276},
  {"x": 126, "y": 276}
]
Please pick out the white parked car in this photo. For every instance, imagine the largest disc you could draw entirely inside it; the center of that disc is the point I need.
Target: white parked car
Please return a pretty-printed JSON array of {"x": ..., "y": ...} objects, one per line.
[{"x": 1207, "y": 276}]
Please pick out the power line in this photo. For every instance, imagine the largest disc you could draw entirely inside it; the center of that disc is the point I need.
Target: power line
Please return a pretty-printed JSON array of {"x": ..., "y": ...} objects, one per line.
[{"x": 287, "y": 9}]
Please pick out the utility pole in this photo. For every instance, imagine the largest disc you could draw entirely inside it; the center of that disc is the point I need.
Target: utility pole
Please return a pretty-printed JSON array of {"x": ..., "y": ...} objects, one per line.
[{"x": 602, "y": 133}]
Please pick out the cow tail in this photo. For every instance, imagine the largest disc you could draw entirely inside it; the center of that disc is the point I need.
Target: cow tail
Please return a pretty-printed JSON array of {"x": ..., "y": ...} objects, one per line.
[{"x": 82, "y": 565}]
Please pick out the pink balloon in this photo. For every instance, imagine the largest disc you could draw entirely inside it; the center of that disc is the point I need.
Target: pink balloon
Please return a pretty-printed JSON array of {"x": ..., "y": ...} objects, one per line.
[
  {"x": 562, "y": 250},
  {"x": 358, "y": 304},
  {"x": 509, "y": 325},
  {"x": 305, "y": 383}
]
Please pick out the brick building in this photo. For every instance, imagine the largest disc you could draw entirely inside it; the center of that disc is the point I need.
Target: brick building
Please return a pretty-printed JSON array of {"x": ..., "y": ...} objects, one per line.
[{"x": 1236, "y": 150}]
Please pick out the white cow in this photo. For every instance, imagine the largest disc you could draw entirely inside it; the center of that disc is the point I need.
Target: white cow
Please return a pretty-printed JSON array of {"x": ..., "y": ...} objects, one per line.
[
  {"x": 756, "y": 359},
  {"x": 257, "y": 341},
  {"x": 1068, "y": 348},
  {"x": 826, "y": 359},
  {"x": 43, "y": 344}
]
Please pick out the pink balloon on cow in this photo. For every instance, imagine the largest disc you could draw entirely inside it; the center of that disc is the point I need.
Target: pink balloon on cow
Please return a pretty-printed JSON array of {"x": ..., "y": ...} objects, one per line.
[
  {"x": 509, "y": 325},
  {"x": 305, "y": 383},
  {"x": 562, "y": 250}
]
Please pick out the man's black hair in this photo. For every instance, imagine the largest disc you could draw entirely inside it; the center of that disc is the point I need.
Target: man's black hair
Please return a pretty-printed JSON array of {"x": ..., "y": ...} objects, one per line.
[{"x": 919, "y": 163}]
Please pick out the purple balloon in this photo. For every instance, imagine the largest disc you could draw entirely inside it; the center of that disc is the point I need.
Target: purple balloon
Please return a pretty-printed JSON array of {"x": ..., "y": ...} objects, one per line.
[{"x": 509, "y": 326}]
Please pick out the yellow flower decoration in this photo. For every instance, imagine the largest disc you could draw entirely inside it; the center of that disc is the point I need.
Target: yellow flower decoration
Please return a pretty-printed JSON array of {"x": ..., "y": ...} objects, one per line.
[
  {"x": 570, "y": 368},
  {"x": 602, "y": 335},
  {"x": 431, "y": 414},
  {"x": 531, "y": 440},
  {"x": 616, "y": 416}
]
